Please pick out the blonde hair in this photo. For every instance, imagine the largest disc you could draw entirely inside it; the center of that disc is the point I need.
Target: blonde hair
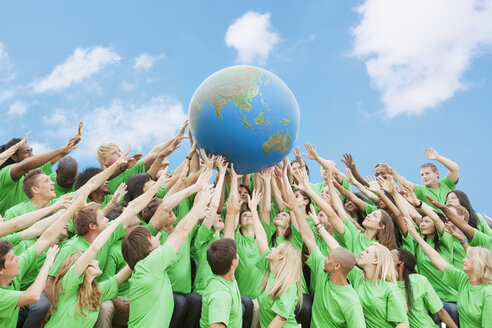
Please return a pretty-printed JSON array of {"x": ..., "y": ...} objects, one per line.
[
  {"x": 287, "y": 272},
  {"x": 481, "y": 258},
  {"x": 385, "y": 268},
  {"x": 102, "y": 152},
  {"x": 88, "y": 294}
]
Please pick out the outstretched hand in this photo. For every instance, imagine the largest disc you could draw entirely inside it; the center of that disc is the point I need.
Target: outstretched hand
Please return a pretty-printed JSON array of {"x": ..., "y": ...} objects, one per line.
[
  {"x": 431, "y": 154},
  {"x": 435, "y": 203},
  {"x": 348, "y": 161},
  {"x": 311, "y": 151}
]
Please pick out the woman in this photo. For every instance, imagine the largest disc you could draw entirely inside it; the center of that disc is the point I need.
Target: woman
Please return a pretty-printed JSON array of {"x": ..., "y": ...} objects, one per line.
[
  {"x": 458, "y": 197},
  {"x": 381, "y": 300},
  {"x": 473, "y": 283},
  {"x": 420, "y": 296}
]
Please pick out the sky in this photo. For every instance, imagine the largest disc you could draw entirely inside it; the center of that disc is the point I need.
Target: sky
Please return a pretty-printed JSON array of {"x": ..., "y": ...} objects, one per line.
[{"x": 381, "y": 79}]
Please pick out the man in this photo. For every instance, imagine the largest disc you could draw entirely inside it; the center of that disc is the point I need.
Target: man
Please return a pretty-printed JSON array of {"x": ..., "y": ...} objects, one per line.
[
  {"x": 64, "y": 177},
  {"x": 221, "y": 304}
]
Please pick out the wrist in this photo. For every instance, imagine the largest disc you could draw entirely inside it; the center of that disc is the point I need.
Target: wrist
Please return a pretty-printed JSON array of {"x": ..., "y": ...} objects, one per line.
[{"x": 462, "y": 242}]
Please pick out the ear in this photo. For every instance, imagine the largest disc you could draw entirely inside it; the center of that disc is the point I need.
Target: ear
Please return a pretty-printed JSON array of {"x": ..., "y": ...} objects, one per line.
[
  {"x": 92, "y": 226},
  {"x": 34, "y": 190},
  {"x": 15, "y": 158},
  {"x": 338, "y": 266}
]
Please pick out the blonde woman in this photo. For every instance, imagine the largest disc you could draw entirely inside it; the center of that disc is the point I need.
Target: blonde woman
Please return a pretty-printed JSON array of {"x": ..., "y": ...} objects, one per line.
[
  {"x": 473, "y": 283},
  {"x": 382, "y": 301}
]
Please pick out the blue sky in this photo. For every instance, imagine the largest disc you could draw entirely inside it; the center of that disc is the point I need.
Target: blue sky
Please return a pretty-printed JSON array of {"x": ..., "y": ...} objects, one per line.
[{"x": 382, "y": 79}]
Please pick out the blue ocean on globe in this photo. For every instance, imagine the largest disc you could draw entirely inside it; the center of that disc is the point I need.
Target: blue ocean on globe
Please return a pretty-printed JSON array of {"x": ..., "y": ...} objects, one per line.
[{"x": 247, "y": 114}]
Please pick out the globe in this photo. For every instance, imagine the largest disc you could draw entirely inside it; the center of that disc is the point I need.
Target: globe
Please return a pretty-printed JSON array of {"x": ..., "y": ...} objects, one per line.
[{"x": 246, "y": 114}]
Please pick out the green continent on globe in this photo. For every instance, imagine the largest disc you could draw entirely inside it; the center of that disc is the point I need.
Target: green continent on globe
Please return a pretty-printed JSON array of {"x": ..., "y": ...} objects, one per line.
[
  {"x": 238, "y": 87},
  {"x": 260, "y": 119},
  {"x": 278, "y": 141},
  {"x": 285, "y": 121}
]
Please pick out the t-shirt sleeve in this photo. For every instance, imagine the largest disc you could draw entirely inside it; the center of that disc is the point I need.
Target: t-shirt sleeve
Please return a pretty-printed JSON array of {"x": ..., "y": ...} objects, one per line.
[
  {"x": 316, "y": 262},
  {"x": 26, "y": 260},
  {"x": 219, "y": 308},
  {"x": 118, "y": 233},
  {"x": 286, "y": 303},
  {"x": 109, "y": 288},
  {"x": 454, "y": 277},
  {"x": 203, "y": 236},
  {"x": 71, "y": 281},
  {"x": 64, "y": 252},
  {"x": 262, "y": 263},
  {"x": 160, "y": 259},
  {"x": 354, "y": 276},
  {"x": 395, "y": 306},
  {"x": 431, "y": 299},
  {"x": 9, "y": 302},
  {"x": 448, "y": 184},
  {"x": 13, "y": 238},
  {"x": 481, "y": 239},
  {"x": 47, "y": 168},
  {"x": 369, "y": 208}
]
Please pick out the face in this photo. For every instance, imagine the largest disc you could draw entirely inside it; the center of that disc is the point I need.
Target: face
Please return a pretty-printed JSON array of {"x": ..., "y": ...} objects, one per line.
[
  {"x": 282, "y": 220},
  {"x": 382, "y": 204},
  {"x": 301, "y": 200},
  {"x": 467, "y": 265},
  {"x": 218, "y": 224},
  {"x": 104, "y": 188},
  {"x": 427, "y": 226},
  {"x": 22, "y": 153},
  {"x": 147, "y": 185},
  {"x": 396, "y": 260},
  {"x": 11, "y": 268},
  {"x": 367, "y": 257},
  {"x": 325, "y": 194},
  {"x": 93, "y": 269},
  {"x": 113, "y": 155},
  {"x": 102, "y": 222},
  {"x": 330, "y": 263},
  {"x": 349, "y": 206},
  {"x": 296, "y": 167},
  {"x": 246, "y": 218},
  {"x": 46, "y": 187},
  {"x": 65, "y": 178},
  {"x": 243, "y": 194},
  {"x": 379, "y": 171},
  {"x": 373, "y": 220},
  {"x": 452, "y": 199},
  {"x": 429, "y": 177}
]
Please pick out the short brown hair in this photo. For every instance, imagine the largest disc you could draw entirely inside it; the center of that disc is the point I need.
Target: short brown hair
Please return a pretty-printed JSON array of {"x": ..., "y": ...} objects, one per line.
[
  {"x": 149, "y": 210},
  {"x": 461, "y": 211},
  {"x": 431, "y": 166},
  {"x": 84, "y": 217},
  {"x": 220, "y": 254},
  {"x": 5, "y": 247},
  {"x": 136, "y": 246},
  {"x": 30, "y": 181}
]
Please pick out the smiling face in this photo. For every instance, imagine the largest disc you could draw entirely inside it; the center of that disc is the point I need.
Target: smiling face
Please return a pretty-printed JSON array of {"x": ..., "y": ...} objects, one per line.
[
  {"x": 427, "y": 226},
  {"x": 380, "y": 171},
  {"x": 45, "y": 187},
  {"x": 367, "y": 257},
  {"x": 243, "y": 194},
  {"x": 429, "y": 177},
  {"x": 452, "y": 199},
  {"x": 22, "y": 153},
  {"x": 349, "y": 206},
  {"x": 282, "y": 220}
]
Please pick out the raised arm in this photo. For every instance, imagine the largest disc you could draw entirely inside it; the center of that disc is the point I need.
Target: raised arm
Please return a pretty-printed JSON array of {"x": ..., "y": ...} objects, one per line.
[
  {"x": 4, "y": 156},
  {"x": 361, "y": 187},
  {"x": 260, "y": 234},
  {"x": 233, "y": 206},
  {"x": 431, "y": 253},
  {"x": 453, "y": 168},
  {"x": 154, "y": 152},
  {"x": 426, "y": 210},
  {"x": 350, "y": 196},
  {"x": 398, "y": 178},
  {"x": 467, "y": 229},
  {"x": 266, "y": 199},
  {"x": 349, "y": 162},
  {"x": 320, "y": 228},
  {"x": 326, "y": 164},
  {"x": 306, "y": 232}
]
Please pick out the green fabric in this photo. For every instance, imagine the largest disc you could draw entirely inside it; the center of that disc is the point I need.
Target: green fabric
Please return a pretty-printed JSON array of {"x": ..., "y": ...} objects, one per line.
[
  {"x": 19, "y": 209},
  {"x": 482, "y": 225},
  {"x": 151, "y": 294},
  {"x": 474, "y": 302},
  {"x": 318, "y": 187},
  {"x": 382, "y": 302},
  {"x": 221, "y": 303},
  {"x": 203, "y": 239},
  {"x": 114, "y": 264},
  {"x": 427, "y": 269},
  {"x": 481, "y": 239},
  {"x": 283, "y": 306},
  {"x": 9, "y": 295},
  {"x": 368, "y": 208},
  {"x": 439, "y": 194},
  {"x": 182, "y": 209},
  {"x": 248, "y": 276},
  {"x": 333, "y": 306},
  {"x": 33, "y": 271},
  {"x": 355, "y": 240},
  {"x": 425, "y": 300},
  {"x": 459, "y": 254},
  {"x": 139, "y": 167},
  {"x": 79, "y": 244},
  {"x": 13, "y": 238},
  {"x": 12, "y": 193},
  {"x": 65, "y": 314},
  {"x": 59, "y": 190}
]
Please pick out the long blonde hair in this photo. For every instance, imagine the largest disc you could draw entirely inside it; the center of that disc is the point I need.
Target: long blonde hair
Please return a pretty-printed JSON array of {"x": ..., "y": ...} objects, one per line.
[
  {"x": 482, "y": 263},
  {"x": 287, "y": 272},
  {"x": 88, "y": 294},
  {"x": 385, "y": 268}
]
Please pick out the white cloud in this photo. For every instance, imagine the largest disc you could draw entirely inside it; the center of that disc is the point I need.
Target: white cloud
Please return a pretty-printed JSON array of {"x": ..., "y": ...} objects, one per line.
[
  {"x": 39, "y": 147},
  {"x": 127, "y": 86},
  {"x": 145, "y": 61},
  {"x": 417, "y": 51},
  {"x": 6, "y": 68},
  {"x": 18, "y": 108},
  {"x": 82, "y": 64},
  {"x": 252, "y": 37}
]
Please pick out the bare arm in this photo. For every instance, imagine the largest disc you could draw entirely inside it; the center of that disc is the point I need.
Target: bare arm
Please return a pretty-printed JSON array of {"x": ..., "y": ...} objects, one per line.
[
  {"x": 453, "y": 168},
  {"x": 266, "y": 200},
  {"x": 395, "y": 209},
  {"x": 467, "y": 229},
  {"x": 361, "y": 187},
  {"x": 349, "y": 162},
  {"x": 446, "y": 318},
  {"x": 118, "y": 194},
  {"x": 398, "y": 178},
  {"x": 124, "y": 274},
  {"x": 233, "y": 204},
  {"x": 154, "y": 152},
  {"x": 320, "y": 228},
  {"x": 277, "y": 322},
  {"x": 11, "y": 151},
  {"x": 350, "y": 196}
]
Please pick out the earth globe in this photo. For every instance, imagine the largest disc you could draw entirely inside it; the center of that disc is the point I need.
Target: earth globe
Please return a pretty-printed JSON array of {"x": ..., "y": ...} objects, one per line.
[{"x": 246, "y": 114}]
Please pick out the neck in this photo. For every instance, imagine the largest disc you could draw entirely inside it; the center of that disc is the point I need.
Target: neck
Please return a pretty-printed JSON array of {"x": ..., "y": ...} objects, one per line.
[
  {"x": 169, "y": 229},
  {"x": 370, "y": 273},
  {"x": 473, "y": 281},
  {"x": 400, "y": 274},
  {"x": 90, "y": 236},
  {"x": 229, "y": 276},
  {"x": 217, "y": 233},
  {"x": 248, "y": 230},
  {"x": 371, "y": 233},
  {"x": 281, "y": 231},
  {"x": 5, "y": 282},
  {"x": 338, "y": 278},
  {"x": 97, "y": 196},
  {"x": 40, "y": 202}
]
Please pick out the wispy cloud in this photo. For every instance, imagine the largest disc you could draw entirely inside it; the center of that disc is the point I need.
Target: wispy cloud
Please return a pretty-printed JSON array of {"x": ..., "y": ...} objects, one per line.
[
  {"x": 39, "y": 147},
  {"x": 252, "y": 36},
  {"x": 81, "y": 65},
  {"x": 417, "y": 51},
  {"x": 146, "y": 61},
  {"x": 6, "y": 68},
  {"x": 18, "y": 108}
]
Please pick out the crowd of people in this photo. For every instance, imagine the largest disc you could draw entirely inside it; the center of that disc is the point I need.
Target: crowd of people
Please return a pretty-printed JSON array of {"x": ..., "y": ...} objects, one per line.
[{"x": 131, "y": 243}]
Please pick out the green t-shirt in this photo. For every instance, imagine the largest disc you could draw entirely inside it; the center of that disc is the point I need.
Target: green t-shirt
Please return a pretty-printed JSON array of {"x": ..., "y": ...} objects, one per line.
[
  {"x": 247, "y": 274},
  {"x": 283, "y": 306},
  {"x": 482, "y": 225},
  {"x": 151, "y": 294},
  {"x": 439, "y": 194},
  {"x": 382, "y": 302},
  {"x": 333, "y": 306},
  {"x": 14, "y": 238},
  {"x": 59, "y": 190},
  {"x": 9, "y": 295},
  {"x": 474, "y": 302},
  {"x": 79, "y": 244},
  {"x": 114, "y": 264},
  {"x": 12, "y": 193},
  {"x": 459, "y": 254},
  {"x": 203, "y": 239},
  {"x": 427, "y": 269},
  {"x": 139, "y": 167},
  {"x": 481, "y": 239},
  {"x": 221, "y": 303},
  {"x": 425, "y": 300},
  {"x": 65, "y": 314},
  {"x": 318, "y": 187},
  {"x": 355, "y": 241}
]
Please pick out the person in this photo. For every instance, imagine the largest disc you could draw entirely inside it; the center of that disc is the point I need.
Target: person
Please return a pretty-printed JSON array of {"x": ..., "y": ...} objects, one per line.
[
  {"x": 473, "y": 283},
  {"x": 476, "y": 220},
  {"x": 6, "y": 152},
  {"x": 151, "y": 298},
  {"x": 22, "y": 161},
  {"x": 421, "y": 297},
  {"x": 65, "y": 175},
  {"x": 221, "y": 302}
]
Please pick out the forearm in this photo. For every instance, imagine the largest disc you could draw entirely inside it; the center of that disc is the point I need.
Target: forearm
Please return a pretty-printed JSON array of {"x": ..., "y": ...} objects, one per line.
[
  {"x": 350, "y": 196},
  {"x": 401, "y": 180},
  {"x": 367, "y": 192},
  {"x": 154, "y": 168},
  {"x": 446, "y": 318},
  {"x": 266, "y": 201},
  {"x": 335, "y": 220},
  {"x": 277, "y": 198},
  {"x": 358, "y": 177},
  {"x": 327, "y": 238},
  {"x": 431, "y": 253},
  {"x": 33, "y": 293},
  {"x": 229, "y": 225},
  {"x": 277, "y": 322},
  {"x": 396, "y": 210},
  {"x": 24, "y": 220},
  {"x": 154, "y": 152},
  {"x": 39, "y": 227},
  {"x": 306, "y": 232},
  {"x": 124, "y": 274},
  {"x": 453, "y": 168},
  {"x": 467, "y": 229},
  {"x": 32, "y": 162}
]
